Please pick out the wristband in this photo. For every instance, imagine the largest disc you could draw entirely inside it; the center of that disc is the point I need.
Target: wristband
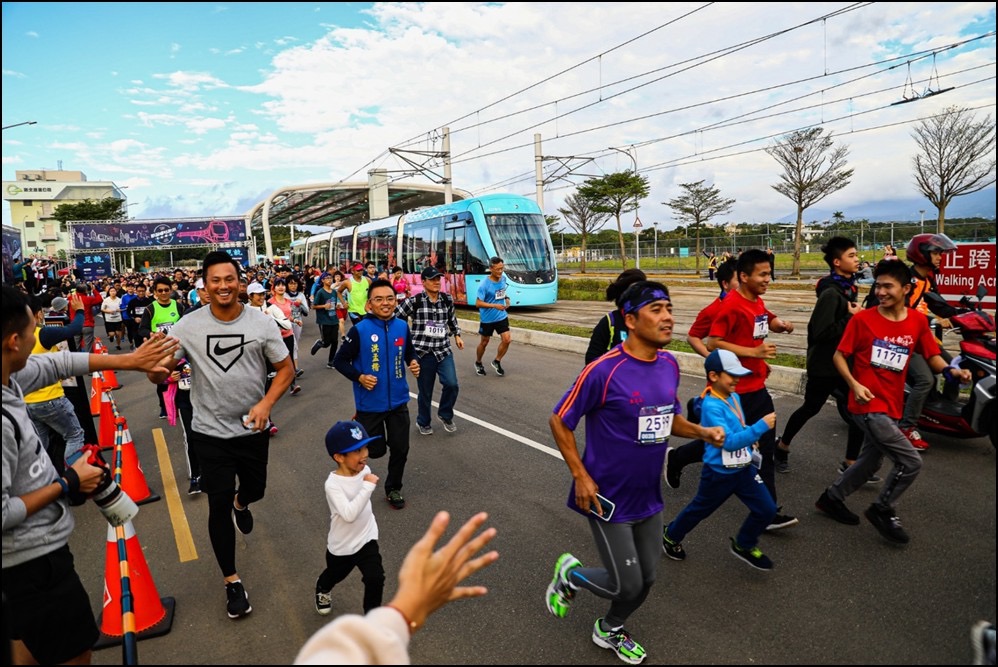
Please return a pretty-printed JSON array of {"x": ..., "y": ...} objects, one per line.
[
  {"x": 64, "y": 485},
  {"x": 948, "y": 374},
  {"x": 72, "y": 481},
  {"x": 412, "y": 624}
]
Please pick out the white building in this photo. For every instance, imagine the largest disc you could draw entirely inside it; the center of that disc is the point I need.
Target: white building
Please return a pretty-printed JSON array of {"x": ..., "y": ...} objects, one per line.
[{"x": 36, "y": 194}]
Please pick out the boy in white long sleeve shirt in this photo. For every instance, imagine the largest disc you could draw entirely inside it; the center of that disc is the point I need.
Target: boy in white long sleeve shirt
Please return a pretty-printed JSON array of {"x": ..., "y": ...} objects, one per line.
[{"x": 353, "y": 531}]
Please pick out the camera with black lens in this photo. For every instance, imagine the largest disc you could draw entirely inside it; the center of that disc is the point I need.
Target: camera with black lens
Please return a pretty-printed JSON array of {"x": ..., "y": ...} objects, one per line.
[{"x": 116, "y": 506}]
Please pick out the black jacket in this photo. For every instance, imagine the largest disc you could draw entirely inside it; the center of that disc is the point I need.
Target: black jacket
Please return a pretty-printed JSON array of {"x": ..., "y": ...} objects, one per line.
[{"x": 827, "y": 324}]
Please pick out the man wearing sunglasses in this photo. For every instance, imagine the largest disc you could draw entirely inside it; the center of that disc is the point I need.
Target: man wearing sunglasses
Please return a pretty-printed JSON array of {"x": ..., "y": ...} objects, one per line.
[{"x": 160, "y": 315}]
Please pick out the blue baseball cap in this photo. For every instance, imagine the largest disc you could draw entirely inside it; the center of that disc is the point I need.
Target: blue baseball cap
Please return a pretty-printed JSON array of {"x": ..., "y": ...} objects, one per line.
[{"x": 346, "y": 436}]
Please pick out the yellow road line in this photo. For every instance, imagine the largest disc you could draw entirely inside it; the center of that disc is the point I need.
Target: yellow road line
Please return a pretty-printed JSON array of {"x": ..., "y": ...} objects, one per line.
[{"x": 181, "y": 529}]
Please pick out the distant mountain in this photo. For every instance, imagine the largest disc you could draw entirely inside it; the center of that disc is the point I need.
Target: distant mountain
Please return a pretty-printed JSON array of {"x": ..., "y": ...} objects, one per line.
[{"x": 979, "y": 204}]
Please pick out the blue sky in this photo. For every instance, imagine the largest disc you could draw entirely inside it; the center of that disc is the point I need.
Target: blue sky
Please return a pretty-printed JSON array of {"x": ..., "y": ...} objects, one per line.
[{"x": 203, "y": 109}]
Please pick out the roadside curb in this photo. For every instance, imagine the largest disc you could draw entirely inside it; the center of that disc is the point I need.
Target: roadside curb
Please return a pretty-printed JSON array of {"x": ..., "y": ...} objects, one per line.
[{"x": 781, "y": 378}]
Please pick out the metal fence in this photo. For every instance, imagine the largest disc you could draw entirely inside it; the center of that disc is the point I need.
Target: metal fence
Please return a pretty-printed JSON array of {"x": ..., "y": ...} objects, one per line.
[{"x": 656, "y": 251}]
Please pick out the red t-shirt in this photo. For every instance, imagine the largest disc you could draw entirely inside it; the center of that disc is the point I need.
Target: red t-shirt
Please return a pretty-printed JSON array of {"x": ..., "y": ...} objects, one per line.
[
  {"x": 746, "y": 323},
  {"x": 880, "y": 350},
  {"x": 701, "y": 325},
  {"x": 90, "y": 301}
]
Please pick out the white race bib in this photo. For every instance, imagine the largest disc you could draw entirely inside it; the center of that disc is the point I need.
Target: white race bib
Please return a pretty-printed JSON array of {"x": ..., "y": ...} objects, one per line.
[
  {"x": 435, "y": 330},
  {"x": 654, "y": 424},
  {"x": 164, "y": 327},
  {"x": 501, "y": 295},
  {"x": 889, "y": 355},
  {"x": 736, "y": 459},
  {"x": 761, "y": 327}
]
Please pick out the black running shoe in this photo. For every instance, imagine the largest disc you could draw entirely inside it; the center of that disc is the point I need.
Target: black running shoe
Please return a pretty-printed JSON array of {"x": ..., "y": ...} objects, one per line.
[
  {"x": 237, "y": 604},
  {"x": 887, "y": 523}
]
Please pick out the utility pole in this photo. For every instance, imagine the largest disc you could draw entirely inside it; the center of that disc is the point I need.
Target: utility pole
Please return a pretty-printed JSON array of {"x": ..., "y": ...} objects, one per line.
[{"x": 921, "y": 225}]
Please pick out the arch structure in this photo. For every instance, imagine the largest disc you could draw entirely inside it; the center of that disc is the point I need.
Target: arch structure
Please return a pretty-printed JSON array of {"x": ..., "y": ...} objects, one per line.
[{"x": 343, "y": 204}]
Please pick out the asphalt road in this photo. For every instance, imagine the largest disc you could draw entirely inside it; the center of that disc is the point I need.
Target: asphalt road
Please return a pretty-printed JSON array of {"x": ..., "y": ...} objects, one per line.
[{"x": 839, "y": 594}]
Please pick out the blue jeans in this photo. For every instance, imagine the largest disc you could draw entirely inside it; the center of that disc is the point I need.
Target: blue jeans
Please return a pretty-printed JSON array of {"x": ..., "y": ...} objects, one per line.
[
  {"x": 429, "y": 369},
  {"x": 57, "y": 416}
]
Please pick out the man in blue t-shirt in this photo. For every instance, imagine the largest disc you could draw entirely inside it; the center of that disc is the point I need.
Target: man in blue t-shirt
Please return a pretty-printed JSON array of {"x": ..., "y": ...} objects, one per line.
[
  {"x": 628, "y": 399},
  {"x": 492, "y": 303}
]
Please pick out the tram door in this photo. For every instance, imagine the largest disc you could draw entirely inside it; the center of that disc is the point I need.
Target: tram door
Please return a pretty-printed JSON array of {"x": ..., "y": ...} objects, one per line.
[{"x": 453, "y": 256}]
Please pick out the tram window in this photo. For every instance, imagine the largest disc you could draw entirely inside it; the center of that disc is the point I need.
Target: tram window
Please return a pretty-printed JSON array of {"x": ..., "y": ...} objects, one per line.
[{"x": 476, "y": 259}]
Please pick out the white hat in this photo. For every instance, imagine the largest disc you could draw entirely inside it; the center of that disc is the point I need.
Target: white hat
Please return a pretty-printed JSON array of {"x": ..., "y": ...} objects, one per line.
[
  {"x": 255, "y": 288},
  {"x": 199, "y": 284},
  {"x": 727, "y": 361}
]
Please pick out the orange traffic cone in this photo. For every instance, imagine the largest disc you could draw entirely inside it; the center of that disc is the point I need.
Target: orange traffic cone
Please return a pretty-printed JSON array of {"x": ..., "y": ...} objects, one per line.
[
  {"x": 110, "y": 378},
  {"x": 106, "y": 428},
  {"x": 152, "y": 615},
  {"x": 96, "y": 389},
  {"x": 133, "y": 480}
]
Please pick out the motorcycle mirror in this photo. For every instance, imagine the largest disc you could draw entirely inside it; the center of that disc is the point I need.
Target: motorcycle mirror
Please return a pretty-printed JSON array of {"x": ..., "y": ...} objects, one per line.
[{"x": 982, "y": 292}]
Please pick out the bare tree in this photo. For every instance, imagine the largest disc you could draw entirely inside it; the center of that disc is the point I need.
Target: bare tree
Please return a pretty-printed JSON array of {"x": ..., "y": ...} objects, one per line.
[
  {"x": 813, "y": 168},
  {"x": 616, "y": 194},
  {"x": 697, "y": 205},
  {"x": 580, "y": 216},
  {"x": 956, "y": 157}
]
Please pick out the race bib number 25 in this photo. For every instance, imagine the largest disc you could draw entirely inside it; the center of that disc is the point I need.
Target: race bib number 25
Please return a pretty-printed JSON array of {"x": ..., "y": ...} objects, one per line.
[{"x": 654, "y": 424}]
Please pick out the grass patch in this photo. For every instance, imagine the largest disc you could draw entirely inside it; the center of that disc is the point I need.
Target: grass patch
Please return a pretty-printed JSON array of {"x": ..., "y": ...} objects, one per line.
[{"x": 788, "y": 360}]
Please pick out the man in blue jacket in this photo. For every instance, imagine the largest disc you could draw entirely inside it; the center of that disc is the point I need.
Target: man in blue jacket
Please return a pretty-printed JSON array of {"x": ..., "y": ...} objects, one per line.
[{"x": 374, "y": 356}]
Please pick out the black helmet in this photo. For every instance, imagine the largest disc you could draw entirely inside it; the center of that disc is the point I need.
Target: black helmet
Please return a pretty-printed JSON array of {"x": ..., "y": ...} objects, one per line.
[{"x": 922, "y": 244}]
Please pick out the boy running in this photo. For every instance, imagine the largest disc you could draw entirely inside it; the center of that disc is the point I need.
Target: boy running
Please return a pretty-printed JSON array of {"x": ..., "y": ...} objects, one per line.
[{"x": 880, "y": 343}]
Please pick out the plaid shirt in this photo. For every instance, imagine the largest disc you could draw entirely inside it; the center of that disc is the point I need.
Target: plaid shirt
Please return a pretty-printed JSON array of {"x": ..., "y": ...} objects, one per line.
[{"x": 422, "y": 311}]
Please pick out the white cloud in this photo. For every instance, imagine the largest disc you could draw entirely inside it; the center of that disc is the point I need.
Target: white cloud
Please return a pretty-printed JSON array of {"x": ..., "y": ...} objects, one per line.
[
  {"x": 12, "y": 73},
  {"x": 31, "y": 33},
  {"x": 329, "y": 108}
]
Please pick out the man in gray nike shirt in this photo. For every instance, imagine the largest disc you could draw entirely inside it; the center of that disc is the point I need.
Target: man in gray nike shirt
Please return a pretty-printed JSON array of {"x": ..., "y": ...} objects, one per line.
[{"x": 228, "y": 345}]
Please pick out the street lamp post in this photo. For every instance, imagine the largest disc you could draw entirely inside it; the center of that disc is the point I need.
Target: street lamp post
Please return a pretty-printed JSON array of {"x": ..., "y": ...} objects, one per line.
[
  {"x": 921, "y": 225},
  {"x": 27, "y": 122},
  {"x": 637, "y": 241},
  {"x": 654, "y": 226},
  {"x": 637, "y": 221}
]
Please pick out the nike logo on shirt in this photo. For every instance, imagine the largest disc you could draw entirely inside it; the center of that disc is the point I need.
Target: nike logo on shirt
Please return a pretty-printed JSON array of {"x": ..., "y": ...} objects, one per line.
[{"x": 219, "y": 350}]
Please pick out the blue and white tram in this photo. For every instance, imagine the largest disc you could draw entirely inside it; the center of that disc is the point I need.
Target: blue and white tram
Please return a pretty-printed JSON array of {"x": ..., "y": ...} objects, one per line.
[{"x": 458, "y": 239}]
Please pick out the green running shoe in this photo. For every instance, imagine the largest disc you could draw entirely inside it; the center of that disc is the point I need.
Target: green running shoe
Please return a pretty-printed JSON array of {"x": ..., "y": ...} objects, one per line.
[
  {"x": 560, "y": 592},
  {"x": 620, "y": 642}
]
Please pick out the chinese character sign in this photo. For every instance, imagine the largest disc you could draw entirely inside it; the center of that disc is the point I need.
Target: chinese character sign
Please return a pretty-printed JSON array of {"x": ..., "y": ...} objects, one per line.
[
  {"x": 94, "y": 265},
  {"x": 962, "y": 271},
  {"x": 240, "y": 254},
  {"x": 152, "y": 234}
]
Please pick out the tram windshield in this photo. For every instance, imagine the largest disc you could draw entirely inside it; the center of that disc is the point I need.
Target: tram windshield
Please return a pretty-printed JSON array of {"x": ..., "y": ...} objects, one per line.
[{"x": 522, "y": 241}]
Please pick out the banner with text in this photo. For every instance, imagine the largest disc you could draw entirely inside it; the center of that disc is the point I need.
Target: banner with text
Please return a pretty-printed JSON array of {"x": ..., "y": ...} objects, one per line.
[
  {"x": 94, "y": 265},
  {"x": 970, "y": 265},
  {"x": 155, "y": 233}
]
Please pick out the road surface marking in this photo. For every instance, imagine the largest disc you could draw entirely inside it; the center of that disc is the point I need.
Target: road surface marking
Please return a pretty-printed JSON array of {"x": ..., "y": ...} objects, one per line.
[{"x": 181, "y": 529}]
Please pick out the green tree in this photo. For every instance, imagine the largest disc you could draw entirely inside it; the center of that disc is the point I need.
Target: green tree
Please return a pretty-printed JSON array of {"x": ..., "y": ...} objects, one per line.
[
  {"x": 580, "y": 216},
  {"x": 616, "y": 194},
  {"x": 89, "y": 209},
  {"x": 813, "y": 168},
  {"x": 956, "y": 157},
  {"x": 697, "y": 205},
  {"x": 839, "y": 217}
]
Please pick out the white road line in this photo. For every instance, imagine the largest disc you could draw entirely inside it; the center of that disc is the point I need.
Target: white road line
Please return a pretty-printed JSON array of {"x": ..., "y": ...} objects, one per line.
[{"x": 501, "y": 431}]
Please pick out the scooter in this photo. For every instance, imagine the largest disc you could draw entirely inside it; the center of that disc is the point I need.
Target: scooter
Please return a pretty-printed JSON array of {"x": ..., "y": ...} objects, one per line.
[{"x": 944, "y": 412}]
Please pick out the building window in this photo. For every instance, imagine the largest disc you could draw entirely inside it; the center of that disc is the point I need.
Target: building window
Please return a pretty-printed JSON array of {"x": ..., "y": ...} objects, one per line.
[
  {"x": 29, "y": 223},
  {"x": 32, "y": 244},
  {"x": 26, "y": 203}
]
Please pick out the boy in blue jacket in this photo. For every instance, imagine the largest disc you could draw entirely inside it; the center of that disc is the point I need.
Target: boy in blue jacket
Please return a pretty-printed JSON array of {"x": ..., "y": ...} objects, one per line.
[{"x": 728, "y": 470}]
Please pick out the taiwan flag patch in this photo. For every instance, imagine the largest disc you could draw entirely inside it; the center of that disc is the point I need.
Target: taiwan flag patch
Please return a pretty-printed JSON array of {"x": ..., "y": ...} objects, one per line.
[{"x": 400, "y": 342}]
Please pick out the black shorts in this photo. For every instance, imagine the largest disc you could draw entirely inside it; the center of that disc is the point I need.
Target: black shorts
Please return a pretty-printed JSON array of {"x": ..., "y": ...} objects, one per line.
[
  {"x": 224, "y": 459},
  {"x": 488, "y": 328},
  {"x": 48, "y": 609},
  {"x": 113, "y": 327}
]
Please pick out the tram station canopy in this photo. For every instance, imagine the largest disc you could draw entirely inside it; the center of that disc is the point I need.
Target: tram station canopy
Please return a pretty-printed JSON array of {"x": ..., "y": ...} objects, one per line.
[{"x": 345, "y": 204}]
